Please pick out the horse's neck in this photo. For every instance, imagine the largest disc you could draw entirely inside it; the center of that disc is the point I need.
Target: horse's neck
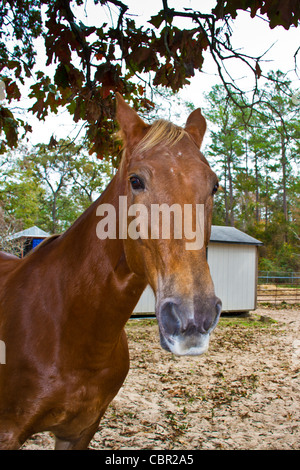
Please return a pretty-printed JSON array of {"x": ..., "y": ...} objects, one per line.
[{"x": 101, "y": 276}]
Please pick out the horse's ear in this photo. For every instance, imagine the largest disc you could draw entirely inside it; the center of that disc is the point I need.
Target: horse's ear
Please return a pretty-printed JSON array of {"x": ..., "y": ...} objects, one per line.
[
  {"x": 132, "y": 126},
  {"x": 196, "y": 126}
]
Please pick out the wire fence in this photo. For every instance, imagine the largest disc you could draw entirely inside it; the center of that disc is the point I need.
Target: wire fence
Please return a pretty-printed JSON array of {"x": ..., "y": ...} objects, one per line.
[{"x": 278, "y": 288}]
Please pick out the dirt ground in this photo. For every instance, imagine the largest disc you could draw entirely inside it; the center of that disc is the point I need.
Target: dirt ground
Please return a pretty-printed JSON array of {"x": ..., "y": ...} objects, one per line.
[{"x": 244, "y": 393}]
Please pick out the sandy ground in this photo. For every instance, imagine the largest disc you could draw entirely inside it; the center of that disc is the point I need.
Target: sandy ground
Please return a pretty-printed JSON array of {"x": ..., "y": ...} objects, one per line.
[{"x": 244, "y": 393}]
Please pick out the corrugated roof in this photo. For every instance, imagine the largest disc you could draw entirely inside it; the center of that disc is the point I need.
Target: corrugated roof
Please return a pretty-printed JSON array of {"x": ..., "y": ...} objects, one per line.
[
  {"x": 32, "y": 232},
  {"x": 225, "y": 234}
]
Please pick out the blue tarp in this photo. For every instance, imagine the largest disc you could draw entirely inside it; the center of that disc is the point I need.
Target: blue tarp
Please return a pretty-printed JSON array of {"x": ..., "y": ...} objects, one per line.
[{"x": 36, "y": 242}]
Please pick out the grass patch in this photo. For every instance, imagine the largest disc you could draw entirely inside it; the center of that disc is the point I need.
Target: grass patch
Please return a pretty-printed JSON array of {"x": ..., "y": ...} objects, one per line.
[{"x": 249, "y": 321}]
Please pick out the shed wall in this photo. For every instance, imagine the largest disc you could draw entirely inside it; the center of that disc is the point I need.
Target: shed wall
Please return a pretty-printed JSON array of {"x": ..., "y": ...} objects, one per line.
[
  {"x": 233, "y": 270},
  {"x": 146, "y": 304}
]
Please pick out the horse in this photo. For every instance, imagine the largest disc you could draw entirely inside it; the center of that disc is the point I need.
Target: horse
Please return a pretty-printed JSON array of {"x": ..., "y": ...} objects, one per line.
[{"x": 63, "y": 307}]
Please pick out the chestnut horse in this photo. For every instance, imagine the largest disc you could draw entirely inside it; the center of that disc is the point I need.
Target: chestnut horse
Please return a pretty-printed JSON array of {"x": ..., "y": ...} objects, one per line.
[{"x": 64, "y": 306}]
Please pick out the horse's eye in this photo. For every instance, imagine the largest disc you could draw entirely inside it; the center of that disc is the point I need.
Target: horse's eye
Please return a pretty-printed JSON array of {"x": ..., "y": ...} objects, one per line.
[
  {"x": 215, "y": 188},
  {"x": 136, "y": 183}
]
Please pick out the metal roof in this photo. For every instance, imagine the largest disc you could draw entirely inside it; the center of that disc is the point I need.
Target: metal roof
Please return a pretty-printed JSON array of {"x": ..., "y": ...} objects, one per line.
[
  {"x": 225, "y": 234},
  {"x": 32, "y": 232}
]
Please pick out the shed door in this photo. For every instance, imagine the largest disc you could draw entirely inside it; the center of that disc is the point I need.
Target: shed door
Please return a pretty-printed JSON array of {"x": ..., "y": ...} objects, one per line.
[{"x": 233, "y": 270}]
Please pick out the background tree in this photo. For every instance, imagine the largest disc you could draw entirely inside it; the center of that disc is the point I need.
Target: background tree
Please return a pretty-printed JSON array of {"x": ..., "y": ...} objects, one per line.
[
  {"x": 227, "y": 144},
  {"x": 52, "y": 168},
  {"x": 255, "y": 155},
  {"x": 50, "y": 187},
  {"x": 284, "y": 131},
  {"x": 89, "y": 176},
  {"x": 9, "y": 225},
  {"x": 92, "y": 61},
  {"x": 21, "y": 192}
]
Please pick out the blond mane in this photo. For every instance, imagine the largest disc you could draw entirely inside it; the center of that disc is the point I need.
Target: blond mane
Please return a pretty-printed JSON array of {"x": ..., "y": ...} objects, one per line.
[{"x": 161, "y": 131}]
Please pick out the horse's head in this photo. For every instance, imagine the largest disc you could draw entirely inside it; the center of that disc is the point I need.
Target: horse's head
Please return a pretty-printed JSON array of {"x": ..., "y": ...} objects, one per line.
[{"x": 169, "y": 191}]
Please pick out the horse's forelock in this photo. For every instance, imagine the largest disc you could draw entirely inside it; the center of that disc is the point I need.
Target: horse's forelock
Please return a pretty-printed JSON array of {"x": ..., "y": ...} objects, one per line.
[{"x": 161, "y": 131}]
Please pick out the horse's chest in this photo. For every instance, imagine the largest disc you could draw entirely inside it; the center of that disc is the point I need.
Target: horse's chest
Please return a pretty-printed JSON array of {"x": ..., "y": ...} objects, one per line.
[
  {"x": 91, "y": 390},
  {"x": 82, "y": 401}
]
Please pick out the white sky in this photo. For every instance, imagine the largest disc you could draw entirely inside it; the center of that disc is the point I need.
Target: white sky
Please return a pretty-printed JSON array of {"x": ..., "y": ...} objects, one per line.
[{"x": 252, "y": 36}]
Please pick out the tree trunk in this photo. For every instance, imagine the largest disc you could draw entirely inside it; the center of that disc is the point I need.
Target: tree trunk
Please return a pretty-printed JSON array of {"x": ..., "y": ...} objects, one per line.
[
  {"x": 231, "y": 214},
  {"x": 284, "y": 162},
  {"x": 266, "y": 204},
  {"x": 257, "y": 210},
  {"x": 54, "y": 213},
  {"x": 226, "y": 195},
  {"x": 284, "y": 198}
]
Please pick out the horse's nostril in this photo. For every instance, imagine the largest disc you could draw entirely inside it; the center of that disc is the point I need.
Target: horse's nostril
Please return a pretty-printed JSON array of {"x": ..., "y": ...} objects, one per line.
[
  {"x": 219, "y": 307},
  {"x": 178, "y": 319},
  {"x": 214, "y": 320},
  {"x": 169, "y": 318},
  {"x": 207, "y": 323}
]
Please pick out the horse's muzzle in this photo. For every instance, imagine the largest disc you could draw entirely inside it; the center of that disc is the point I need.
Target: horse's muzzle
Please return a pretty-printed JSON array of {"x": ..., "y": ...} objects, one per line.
[{"x": 185, "y": 328}]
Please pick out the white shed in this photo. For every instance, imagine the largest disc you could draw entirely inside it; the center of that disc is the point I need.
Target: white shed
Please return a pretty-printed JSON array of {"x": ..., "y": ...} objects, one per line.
[{"x": 232, "y": 258}]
